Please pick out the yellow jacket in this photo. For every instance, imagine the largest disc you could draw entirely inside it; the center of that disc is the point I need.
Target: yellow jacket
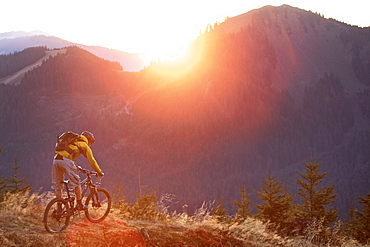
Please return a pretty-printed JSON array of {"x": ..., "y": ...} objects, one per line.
[{"x": 81, "y": 147}]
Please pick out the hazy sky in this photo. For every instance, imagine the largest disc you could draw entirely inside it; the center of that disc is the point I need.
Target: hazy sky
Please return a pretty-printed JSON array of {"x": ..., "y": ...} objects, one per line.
[{"x": 152, "y": 26}]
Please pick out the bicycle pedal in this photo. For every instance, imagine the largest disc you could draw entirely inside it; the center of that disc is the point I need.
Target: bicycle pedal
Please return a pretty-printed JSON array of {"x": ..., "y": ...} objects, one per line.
[{"x": 81, "y": 208}]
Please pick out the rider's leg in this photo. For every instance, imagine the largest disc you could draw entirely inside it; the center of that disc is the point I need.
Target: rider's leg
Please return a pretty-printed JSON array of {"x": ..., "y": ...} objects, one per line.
[
  {"x": 57, "y": 177},
  {"x": 58, "y": 193},
  {"x": 78, "y": 192}
]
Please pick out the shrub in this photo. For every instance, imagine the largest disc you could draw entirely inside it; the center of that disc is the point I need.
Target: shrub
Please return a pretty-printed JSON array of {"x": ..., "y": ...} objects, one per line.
[{"x": 145, "y": 208}]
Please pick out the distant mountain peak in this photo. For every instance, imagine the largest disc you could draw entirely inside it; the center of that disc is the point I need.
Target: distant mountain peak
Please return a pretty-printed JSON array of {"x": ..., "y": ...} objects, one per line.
[
  {"x": 266, "y": 13},
  {"x": 11, "y": 42},
  {"x": 18, "y": 34}
]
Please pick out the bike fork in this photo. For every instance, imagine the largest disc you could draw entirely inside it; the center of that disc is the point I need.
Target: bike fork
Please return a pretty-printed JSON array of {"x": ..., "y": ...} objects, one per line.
[{"x": 95, "y": 199}]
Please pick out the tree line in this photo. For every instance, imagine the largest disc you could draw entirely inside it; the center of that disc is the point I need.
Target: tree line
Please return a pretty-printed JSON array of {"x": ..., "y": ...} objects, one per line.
[
  {"x": 276, "y": 208},
  {"x": 14, "y": 62},
  {"x": 313, "y": 211}
]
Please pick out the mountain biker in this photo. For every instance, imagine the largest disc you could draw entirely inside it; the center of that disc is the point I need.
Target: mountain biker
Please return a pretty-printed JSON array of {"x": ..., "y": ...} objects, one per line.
[{"x": 64, "y": 164}]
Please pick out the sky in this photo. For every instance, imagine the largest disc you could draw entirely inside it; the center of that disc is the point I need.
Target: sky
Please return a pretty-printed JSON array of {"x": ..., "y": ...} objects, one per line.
[{"x": 157, "y": 27}]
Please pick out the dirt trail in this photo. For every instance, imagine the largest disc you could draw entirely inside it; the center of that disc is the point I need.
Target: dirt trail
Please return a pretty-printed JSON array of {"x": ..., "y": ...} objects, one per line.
[
  {"x": 110, "y": 232},
  {"x": 16, "y": 78},
  {"x": 28, "y": 230}
]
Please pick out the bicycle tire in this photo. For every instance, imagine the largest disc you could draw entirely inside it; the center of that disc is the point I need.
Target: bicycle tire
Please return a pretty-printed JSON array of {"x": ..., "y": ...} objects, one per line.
[
  {"x": 56, "y": 215},
  {"x": 97, "y": 213}
]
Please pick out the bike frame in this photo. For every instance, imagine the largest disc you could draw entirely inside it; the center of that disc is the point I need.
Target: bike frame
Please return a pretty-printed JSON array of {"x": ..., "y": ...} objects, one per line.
[{"x": 86, "y": 185}]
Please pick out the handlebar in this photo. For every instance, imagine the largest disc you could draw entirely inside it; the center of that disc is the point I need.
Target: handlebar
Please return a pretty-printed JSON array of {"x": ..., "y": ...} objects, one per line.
[{"x": 85, "y": 171}]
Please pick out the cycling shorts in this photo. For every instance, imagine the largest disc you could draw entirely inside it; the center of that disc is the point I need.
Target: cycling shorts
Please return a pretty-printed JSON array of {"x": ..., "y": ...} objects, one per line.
[{"x": 61, "y": 168}]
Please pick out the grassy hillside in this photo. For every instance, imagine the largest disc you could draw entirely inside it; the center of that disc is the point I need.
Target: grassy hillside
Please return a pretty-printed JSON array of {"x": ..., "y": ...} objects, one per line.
[{"x": 21, "y": 225}]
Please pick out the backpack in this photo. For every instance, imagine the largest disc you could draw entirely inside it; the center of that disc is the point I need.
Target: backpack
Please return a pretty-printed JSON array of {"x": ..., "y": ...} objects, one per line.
[{"x": 64, "y": 140}]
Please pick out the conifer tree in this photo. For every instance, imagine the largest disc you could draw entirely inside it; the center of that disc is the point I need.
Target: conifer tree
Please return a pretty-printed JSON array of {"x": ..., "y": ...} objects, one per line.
[
  {"x": 277, "y": 202},
  {"x": 16, "y": 184},
  {"x": 359, "y": 222},
  {"x": 220, "y": 211},
  {"x": 244, "y": 206},
  {"x": 315, "y": 199}
]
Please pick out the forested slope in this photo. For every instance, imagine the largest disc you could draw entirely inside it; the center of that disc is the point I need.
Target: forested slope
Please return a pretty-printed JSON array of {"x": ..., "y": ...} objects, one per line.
[{"x": 260, "y": 92}]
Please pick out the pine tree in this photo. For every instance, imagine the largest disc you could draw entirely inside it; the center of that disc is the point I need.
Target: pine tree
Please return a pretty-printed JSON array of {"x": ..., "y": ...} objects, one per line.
[
  {"x": 15, "y": 184},
  {"x": 277, "y": 202},
  {"x": 359, "y": 222},
  {"x": 314, "y": 199},
  {"x": 220, "y": 212},
  {"x": 244, "y": 206}
]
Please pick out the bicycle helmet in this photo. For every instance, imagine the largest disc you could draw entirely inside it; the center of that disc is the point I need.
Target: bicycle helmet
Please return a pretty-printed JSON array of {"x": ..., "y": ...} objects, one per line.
[{"x": 90, "y": 137}]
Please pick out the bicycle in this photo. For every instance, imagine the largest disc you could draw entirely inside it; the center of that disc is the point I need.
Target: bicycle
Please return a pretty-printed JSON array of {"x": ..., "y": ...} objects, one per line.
[{"x": 59, "y": 210}]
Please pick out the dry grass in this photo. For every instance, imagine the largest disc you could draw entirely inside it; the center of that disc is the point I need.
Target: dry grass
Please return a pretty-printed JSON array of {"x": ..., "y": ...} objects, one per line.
[{"x": 21, "y": 225}]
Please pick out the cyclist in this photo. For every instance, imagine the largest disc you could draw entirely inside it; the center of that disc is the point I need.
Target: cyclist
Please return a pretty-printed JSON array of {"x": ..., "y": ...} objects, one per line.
[{"x": 64, "y": 164}]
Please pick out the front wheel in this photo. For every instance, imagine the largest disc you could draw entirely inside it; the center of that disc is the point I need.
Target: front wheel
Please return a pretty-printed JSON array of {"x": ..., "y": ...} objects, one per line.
[
  {"x": 99, "y": 204},
  {"x": 56, "y": 215}
]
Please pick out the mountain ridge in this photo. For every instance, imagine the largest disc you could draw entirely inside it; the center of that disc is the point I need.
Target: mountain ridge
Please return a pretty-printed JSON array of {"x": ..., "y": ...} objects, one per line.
[
  {"x": 287, "y": 21},
  {"x": 16, "y": 78},
  {"x": 11, "y": 42}
]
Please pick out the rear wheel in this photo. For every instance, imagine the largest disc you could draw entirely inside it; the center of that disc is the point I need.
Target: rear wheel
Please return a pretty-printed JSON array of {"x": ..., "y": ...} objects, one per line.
[
  {"x": 99, "y": 205},
  {"x": 56, "y": 215}
]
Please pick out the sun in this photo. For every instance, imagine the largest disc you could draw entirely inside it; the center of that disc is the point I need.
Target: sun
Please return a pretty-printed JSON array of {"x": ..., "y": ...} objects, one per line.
[
  {"x": 169, "y": 61},
  {"x": 166, "y": 54},
  {"x": 181, "y": 62},
  {"x": 159, "y": 29}
]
